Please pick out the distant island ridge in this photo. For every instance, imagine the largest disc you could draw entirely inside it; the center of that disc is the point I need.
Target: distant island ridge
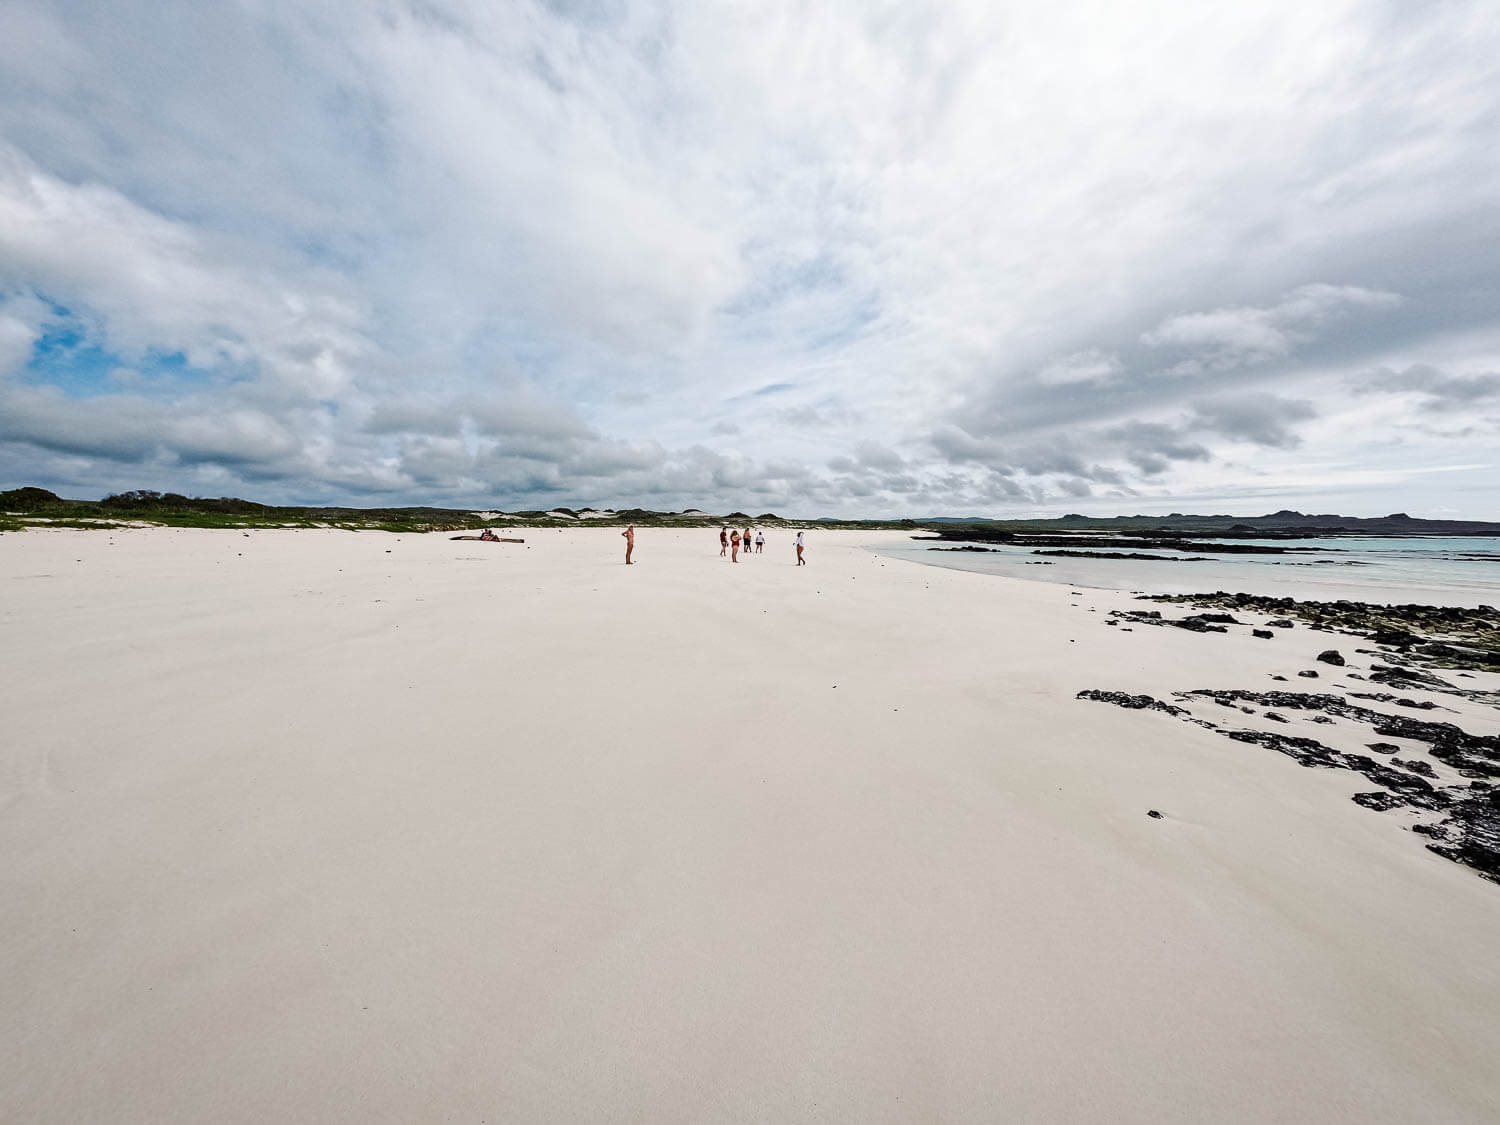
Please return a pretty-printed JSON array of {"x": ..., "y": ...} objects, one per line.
[{"x": 30, "y": 505}]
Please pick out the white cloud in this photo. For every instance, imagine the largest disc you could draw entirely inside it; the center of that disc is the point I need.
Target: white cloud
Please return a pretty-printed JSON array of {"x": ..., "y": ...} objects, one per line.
[
  {"x": 1081, "y": 367},
  {"x": 1227, "y": 338}
]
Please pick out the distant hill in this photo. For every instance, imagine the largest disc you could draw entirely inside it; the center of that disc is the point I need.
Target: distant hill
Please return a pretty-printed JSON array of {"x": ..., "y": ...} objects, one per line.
[
  {"x": 19, "y": 506},
  {"x": 1285, "y": 524}
]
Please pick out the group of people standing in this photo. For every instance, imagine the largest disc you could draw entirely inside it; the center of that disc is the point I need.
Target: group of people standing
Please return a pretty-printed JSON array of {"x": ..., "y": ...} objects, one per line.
[{"x": 730, "y": 543}]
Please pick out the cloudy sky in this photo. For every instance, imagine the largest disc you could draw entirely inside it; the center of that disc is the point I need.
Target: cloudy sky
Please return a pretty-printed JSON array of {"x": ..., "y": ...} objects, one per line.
[{"x": 819, "y": 258}]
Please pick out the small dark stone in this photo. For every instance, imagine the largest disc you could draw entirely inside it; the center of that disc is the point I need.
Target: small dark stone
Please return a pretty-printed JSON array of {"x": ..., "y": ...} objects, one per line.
[
  {"x": 1331, "y": 656},
  {"x": 1280, "y": 623},
  {"x": 1263, "y": 634},
  {"x": 1275, "y": 718},
  {"x": 1308, "y": 674},
  {"x": 1321, "y": 719},
  {"x": 1382, "y": 747},
  {"x": 1282, "y": 679},
  {"x": 1153, "y": 814}
]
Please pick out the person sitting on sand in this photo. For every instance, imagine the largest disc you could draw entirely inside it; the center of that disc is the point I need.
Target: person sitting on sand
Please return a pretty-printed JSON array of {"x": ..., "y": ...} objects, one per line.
[
  {"x": 723, "y": 541},
  {"x": 629, "y": 534},
  {"x": 488, "y": 536}
]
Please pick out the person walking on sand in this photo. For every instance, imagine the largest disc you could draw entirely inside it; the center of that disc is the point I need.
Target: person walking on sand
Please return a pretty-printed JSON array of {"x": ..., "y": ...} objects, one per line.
[
  {"x": 745, "y": 541},
  {"x": 734, "y": 546},
  {"x": 723, "y": 541},
  {"x": 800, "y": 560},
  {"x": 629, "y": 534},
  {"x": 760, "y": 542}
]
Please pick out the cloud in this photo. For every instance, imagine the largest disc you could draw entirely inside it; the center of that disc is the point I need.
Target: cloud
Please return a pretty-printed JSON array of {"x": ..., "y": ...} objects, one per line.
[
  {"x": 1233, "y": 337},
  {"x": 1439, "y": 392},
  {"x": 1153, "y": 447},
  {"x": 536, "y": 253},
  {"x": 1080, "y": 367},
  {"x": 1261, "y": 419}
]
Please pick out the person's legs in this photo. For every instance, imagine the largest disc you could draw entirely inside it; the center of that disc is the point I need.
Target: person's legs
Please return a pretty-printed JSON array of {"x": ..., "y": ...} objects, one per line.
[{"x": 628, "y": 548}]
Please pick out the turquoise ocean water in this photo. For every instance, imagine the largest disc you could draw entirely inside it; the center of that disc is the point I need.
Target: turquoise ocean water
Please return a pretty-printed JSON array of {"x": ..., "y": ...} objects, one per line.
[{"x": 1430, "y": 570}]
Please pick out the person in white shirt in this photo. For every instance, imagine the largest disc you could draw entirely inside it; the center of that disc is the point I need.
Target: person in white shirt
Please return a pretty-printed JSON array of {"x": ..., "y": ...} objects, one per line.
[
  {"x": 800, "y": 560},
  {"x": 760, "y": 542}
]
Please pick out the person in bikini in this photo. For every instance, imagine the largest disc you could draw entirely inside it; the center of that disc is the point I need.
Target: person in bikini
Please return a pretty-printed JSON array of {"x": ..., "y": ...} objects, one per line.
[{"x": 629, "y": 534}]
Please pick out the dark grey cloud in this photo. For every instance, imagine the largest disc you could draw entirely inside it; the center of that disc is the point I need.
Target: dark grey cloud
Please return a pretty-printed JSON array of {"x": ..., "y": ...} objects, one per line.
[
  {"x": 1260, "y": 418},
  {"x": 1153, "y": 447},
  {"x": 1440, "y": 392}
]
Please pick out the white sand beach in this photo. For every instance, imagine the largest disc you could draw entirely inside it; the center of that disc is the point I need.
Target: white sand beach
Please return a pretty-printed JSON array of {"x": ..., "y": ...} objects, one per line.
[{"x": 331, "y": 826}]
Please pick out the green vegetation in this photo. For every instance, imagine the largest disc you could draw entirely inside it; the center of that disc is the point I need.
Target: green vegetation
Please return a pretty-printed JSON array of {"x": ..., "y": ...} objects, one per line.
[{"x": 23, "y": 507}]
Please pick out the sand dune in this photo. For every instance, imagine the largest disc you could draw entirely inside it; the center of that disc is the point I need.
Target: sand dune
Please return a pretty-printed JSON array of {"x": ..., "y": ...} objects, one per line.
[{"x": 315, "y": 825}]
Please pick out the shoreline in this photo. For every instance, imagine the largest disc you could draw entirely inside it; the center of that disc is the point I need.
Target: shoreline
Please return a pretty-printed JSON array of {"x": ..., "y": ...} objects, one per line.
[
  {"x": 309, "y": 824},
  {"x": 1352, "y": 578}
]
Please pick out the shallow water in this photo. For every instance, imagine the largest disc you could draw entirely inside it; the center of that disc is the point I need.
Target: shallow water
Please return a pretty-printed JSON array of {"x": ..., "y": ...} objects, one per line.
[{"x": 1439, "y": 571}]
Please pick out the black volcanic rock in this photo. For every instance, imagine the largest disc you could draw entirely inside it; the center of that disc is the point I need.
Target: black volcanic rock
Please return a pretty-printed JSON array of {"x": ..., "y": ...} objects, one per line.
[{"x": 1130, "y": 702}]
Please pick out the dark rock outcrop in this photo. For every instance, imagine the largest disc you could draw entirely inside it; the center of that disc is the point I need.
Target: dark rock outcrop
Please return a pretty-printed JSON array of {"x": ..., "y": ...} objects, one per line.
[{"x": 1131, "y": 702}]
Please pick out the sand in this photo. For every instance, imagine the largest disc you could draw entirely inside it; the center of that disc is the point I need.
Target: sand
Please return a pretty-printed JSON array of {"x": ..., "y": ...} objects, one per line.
[{"x": 317, "y": 825}]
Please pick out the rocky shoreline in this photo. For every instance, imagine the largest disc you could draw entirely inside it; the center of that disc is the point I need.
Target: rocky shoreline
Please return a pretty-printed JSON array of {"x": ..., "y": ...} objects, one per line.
[{"x": 1447, "y": 777}]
